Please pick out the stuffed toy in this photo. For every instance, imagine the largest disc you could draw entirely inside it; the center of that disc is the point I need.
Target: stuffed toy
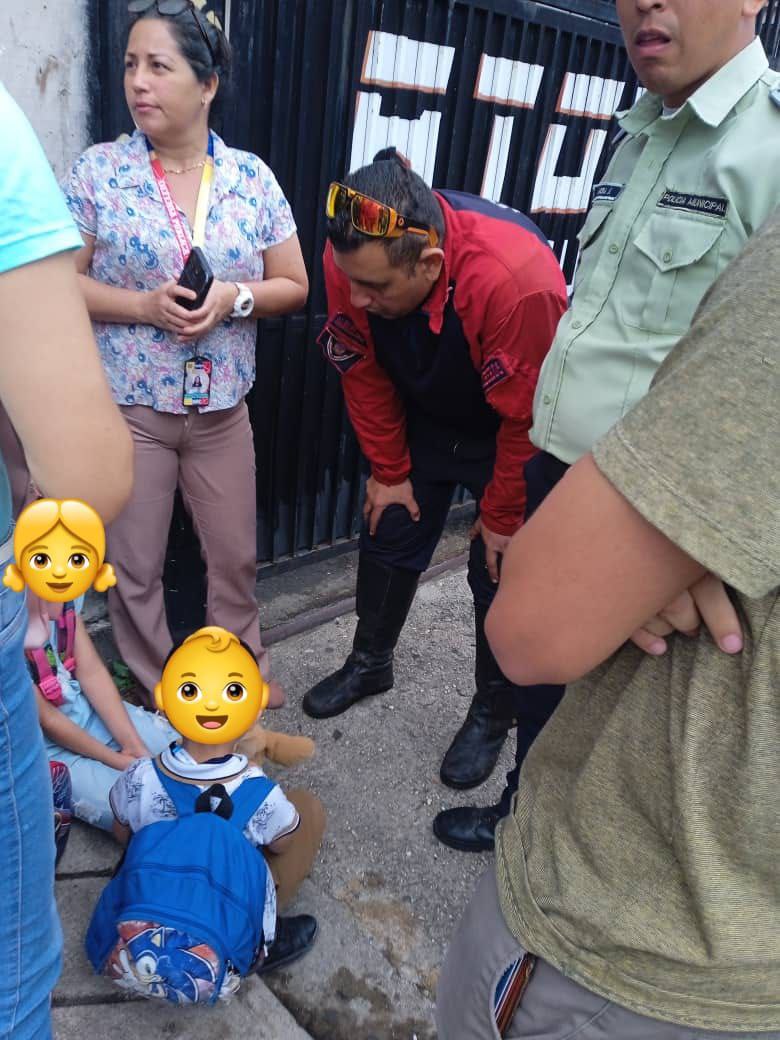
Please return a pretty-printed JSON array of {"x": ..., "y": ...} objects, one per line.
[{"x": 259, "y": 743}]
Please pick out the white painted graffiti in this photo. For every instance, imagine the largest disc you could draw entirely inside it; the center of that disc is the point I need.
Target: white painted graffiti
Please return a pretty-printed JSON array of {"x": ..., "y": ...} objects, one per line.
[{"x": 406, "y": 64}]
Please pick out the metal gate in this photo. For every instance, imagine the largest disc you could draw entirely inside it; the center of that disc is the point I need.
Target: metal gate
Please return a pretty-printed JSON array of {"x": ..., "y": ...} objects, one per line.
[{"x": 511, "y": 99}]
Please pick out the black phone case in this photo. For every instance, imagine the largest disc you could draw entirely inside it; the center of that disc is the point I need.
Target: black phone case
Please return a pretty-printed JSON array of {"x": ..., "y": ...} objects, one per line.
[{"x": 198, "y": 276}]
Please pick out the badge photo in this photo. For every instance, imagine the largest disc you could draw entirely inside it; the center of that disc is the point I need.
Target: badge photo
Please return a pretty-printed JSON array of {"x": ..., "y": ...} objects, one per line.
[{"x": 197, "y": 382}]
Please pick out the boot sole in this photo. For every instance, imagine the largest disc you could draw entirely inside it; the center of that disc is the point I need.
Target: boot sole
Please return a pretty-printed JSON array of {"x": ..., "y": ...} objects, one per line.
[
  {"x": 463, "y": 846},
  {"x": 314, "y": 714}
]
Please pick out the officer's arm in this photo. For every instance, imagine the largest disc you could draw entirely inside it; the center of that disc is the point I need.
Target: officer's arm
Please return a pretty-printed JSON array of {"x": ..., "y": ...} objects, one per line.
[
  {"x": 583, "y": 573},
  {"x": 379, "y": 421},
  {"x": 375, "y": 409},
  {"x": 513, "y": 350}
]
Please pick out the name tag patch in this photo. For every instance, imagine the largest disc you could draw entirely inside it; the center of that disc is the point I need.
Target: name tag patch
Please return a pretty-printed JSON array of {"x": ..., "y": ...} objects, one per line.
[
  {"x": 712, "y": 206},
  {"x": 607, "y": 192}
]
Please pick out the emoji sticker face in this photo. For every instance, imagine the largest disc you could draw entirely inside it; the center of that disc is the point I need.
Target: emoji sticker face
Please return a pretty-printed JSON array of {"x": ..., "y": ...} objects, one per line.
[
  {"x": 59, "y": 548},
  {"x": 211, "y": 688},
  {"x": 59, "y": 567}
]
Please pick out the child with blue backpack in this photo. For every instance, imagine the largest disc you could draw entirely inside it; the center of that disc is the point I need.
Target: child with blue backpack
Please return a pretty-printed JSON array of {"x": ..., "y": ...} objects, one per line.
[{"x": 192, "y": 908}]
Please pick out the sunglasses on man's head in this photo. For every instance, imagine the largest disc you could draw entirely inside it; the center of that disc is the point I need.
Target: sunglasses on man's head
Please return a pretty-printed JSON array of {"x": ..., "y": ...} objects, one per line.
[
  {"x": 174, "y": 7},
  {"x": 372, "y": 217}
]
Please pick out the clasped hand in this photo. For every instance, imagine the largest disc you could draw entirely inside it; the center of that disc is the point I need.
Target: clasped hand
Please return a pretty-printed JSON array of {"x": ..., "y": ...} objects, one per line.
[
  {"x": 162, "y": 309},
  {"x": 707, "y": 602}
]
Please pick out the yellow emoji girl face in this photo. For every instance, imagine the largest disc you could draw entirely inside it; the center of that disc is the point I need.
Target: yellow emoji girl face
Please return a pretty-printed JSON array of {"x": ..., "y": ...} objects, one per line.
[
  {"x": 59, "y": 547},
  {"x": 60, "y": 566},
  {"x": 211, "y": 689}
]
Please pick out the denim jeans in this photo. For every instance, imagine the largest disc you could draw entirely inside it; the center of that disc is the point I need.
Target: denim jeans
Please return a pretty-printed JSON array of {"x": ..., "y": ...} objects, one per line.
[{"x": 30, "y": 936}]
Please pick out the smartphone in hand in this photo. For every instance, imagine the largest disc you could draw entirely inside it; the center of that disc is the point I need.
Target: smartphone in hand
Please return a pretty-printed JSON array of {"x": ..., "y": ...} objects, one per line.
[{"x": 198, "y": 276}]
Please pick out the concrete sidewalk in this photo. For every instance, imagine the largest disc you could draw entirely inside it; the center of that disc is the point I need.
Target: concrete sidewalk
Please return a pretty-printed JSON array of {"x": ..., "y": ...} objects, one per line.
[{"x": 386, "y": 894}]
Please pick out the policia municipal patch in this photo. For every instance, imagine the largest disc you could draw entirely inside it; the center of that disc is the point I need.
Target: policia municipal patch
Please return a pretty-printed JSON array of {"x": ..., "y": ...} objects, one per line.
[{"x": 708, "y": 204}]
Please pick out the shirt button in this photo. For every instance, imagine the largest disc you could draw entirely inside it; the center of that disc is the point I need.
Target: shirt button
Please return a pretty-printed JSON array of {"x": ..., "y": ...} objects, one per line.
[
  {"x": 576, "y": 324},
  {"x": 614, "y": 248},
  {"x": 547, "y": 399},
  {"x": 667, "y": 257}
]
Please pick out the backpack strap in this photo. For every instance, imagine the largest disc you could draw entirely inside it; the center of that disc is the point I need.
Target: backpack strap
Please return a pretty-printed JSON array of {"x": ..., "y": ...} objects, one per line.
[
  {"x": 248, "y": 797},
  {"x": 66, "y": 636},
  {"x": 43, "y": 675},
  {"x": 245, "y": 800},
  {"x": 182, "y": 795}
]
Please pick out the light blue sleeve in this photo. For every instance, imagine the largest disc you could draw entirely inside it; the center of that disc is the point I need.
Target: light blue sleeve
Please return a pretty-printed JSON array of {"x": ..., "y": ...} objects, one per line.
[{"x": 34, "y": 220}]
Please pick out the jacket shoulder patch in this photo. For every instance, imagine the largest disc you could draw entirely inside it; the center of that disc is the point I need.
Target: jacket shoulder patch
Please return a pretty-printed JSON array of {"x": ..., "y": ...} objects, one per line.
[
  {"x": 494, "y": 372},
  {"x": 341, "y": 342}
]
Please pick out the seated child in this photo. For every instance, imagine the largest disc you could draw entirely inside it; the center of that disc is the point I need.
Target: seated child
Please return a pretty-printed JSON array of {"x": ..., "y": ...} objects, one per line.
[
  {"x": 85, "y": 722},
  {"x": 212, "y": 691}
]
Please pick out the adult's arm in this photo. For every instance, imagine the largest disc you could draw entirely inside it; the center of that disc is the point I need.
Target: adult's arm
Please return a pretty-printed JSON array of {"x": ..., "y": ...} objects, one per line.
[
  {"x": 685, "y": 483},
  {"x": 578, "y": 579},
  {"x": 514, "y": 345},
  {"x": 285, "y": 284},
  {"x": 375, "y": 408},
  {"x": 284, "y": 289},
  {"x": 55, "y": 391}
]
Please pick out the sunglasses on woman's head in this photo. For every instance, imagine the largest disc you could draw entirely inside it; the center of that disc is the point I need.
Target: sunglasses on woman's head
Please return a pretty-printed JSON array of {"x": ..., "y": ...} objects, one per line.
[{"x": 174, "y": 7}]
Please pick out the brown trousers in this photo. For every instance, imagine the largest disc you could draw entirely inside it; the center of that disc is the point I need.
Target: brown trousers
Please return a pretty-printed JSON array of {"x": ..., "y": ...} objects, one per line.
[
  {"x": 553, "y": 1006},
  {"x": 290, "y": 867},
  {"x": 211, "y": 458}
]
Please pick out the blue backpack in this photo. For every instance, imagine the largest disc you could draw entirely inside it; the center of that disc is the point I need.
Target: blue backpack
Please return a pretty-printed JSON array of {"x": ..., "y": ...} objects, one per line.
[{"x": 182, "y": 918}]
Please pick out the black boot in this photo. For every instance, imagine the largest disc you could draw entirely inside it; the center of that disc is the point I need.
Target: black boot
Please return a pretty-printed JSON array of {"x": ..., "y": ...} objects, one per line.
[
  {"x": 474, "y": 751},
  {"x": 384, "y": 596},
  {"x": 294, "y": 937},
  {"x": 468, "y": 828}
]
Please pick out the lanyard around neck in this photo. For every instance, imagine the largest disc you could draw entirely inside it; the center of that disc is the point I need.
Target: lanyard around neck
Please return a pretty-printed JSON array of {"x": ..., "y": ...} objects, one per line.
[{"x": 201, "y": 208}]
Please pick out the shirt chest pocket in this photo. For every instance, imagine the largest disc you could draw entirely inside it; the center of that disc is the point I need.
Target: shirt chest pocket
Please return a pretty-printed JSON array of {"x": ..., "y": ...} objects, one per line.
[
  {"x": 589, "y": 234},
  {"x": 676, "y": 261}
]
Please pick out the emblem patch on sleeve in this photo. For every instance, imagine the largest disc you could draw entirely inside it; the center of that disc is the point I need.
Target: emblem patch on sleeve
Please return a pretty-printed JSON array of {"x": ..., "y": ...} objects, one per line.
[
  {"x": 341, "y": 342},
  {"x": 494, "y": 372}
]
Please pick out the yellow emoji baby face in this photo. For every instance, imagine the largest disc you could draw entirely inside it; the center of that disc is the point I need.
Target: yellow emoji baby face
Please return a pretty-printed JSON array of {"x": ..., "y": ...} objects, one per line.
[
  {"x": 59, "y": 566},
  {"x": 59, "y": 548},
  {"x": 211, "y": 688}
]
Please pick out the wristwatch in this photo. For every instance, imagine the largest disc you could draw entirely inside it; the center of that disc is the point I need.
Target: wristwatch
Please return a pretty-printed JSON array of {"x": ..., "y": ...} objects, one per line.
[{"x": 245, "y": 302}]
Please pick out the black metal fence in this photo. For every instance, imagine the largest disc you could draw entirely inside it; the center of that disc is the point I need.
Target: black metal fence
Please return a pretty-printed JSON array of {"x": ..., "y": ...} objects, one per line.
[{"x": 511, "y": 99}]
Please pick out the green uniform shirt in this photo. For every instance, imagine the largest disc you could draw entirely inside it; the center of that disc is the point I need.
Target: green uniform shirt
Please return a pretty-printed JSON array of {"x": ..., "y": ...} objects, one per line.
[
  {"x": 642, "y": 857},
  {"x": 678, "y": 202}
]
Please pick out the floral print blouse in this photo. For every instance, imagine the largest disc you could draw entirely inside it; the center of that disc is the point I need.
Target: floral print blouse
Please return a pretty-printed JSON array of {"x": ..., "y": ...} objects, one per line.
[{"x": 113, "y": 196}]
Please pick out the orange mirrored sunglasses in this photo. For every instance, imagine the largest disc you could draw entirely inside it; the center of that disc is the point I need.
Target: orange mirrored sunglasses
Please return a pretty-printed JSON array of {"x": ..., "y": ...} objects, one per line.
[{"x": 372, "y": 217}]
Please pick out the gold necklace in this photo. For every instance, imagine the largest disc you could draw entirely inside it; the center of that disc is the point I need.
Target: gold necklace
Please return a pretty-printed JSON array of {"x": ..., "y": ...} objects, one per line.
[{"x": 186, "y": 169}]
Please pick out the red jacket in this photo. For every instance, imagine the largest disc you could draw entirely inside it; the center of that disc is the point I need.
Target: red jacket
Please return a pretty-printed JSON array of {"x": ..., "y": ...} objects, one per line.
[{"x": 509, "y": 294}]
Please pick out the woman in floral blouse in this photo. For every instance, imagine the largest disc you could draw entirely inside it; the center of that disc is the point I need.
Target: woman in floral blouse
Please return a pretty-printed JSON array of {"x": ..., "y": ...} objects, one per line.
[{"x": 179, "y": 374}]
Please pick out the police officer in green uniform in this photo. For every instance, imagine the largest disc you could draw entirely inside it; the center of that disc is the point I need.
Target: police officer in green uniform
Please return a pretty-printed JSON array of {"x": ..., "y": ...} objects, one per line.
[{"x": 694, "y": 174}]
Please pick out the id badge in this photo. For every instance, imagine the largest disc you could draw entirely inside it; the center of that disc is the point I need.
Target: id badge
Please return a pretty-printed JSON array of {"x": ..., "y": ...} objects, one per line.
[{"x": 197, "y": 382}]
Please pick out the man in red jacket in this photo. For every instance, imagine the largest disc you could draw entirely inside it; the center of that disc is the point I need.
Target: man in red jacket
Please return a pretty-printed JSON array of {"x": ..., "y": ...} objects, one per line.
[{"x": 441, "y": 309}]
